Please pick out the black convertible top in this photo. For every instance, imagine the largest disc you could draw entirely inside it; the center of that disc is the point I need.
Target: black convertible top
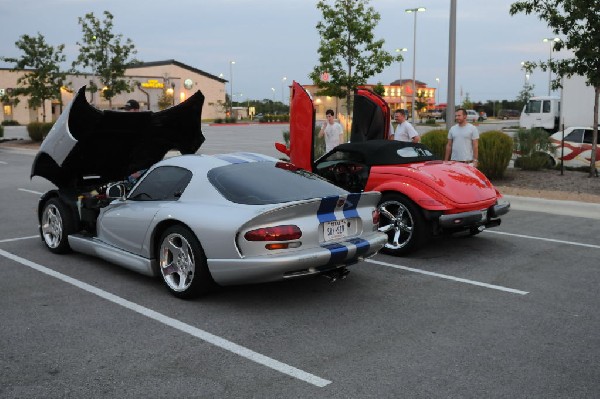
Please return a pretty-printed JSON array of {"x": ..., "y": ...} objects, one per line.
[{"x": 385, "y": 152}]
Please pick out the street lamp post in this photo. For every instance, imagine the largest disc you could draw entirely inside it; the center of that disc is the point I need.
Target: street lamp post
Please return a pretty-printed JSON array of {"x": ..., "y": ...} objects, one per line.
[
  {"x": 401, "y": 50},
  {"x": 282, "y": 86},
  {"x": 437, "y": 91},
  {"x": 551, "y": 41},
  {"x": 231, "y": 88},
  {"x": 414, "y": 11},
  {"x": 273, "y": 101}
]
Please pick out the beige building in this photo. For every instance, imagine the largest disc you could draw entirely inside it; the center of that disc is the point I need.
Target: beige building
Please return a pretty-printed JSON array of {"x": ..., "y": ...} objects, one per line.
[{"x": 148, "y": 81}]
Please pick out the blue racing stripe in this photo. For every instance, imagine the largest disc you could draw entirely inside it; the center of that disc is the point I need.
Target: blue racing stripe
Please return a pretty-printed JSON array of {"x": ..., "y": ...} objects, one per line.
[
  {"x": 362, "y": 246},
  {"x": 350, "y": 205},
  {"x": 338, "y": 253},
  {"x": 230, "y": 159},
  {"x": 327, "y": 209}
]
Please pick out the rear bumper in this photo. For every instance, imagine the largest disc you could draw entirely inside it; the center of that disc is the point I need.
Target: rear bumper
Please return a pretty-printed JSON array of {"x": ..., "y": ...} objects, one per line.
[
  {"x": 475, "y": 218},
  {"x": 311, "y": 261}
]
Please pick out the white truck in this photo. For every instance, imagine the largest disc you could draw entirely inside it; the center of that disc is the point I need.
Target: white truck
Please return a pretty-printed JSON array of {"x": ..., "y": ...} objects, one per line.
[
  {"x": 542, "y": 111},
  {"x": 575, "y": 107}
]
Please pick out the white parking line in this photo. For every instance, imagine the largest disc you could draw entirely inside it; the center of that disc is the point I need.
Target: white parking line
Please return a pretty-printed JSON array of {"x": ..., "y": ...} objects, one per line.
[
  {"x": 444, "y": 276},
  {"x": 30, "y": 191},
  {"x": 4, "y": 163},
  {"x": 186, "y": 328},
  {"x": 18, "y": 239},
  {"x": 544, "y": 239}
]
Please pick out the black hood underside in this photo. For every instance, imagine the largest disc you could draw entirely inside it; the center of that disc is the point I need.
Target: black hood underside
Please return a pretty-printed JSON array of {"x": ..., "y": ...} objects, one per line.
[{"x": 110, "y": 145}]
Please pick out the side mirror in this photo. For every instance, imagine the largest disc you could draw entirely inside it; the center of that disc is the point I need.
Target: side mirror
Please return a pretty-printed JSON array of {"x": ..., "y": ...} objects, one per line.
[
  {"x": 282, "y": 148},
  {"x": 116, "y": 191}
]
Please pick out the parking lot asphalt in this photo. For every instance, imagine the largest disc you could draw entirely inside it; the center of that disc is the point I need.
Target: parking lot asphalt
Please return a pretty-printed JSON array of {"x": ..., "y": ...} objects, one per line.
[{"x": 510, "y": 312}]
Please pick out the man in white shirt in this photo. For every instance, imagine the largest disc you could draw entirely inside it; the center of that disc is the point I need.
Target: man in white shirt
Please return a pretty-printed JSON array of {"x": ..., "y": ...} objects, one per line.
[
  {"x": 403, "y": 131},
  {"x": 463, "y": 140},
  {"x": 332, "y": 131}
]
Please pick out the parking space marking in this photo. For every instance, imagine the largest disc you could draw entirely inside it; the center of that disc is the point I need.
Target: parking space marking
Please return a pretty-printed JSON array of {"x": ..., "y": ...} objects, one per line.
[
  {"x": 4, "y": 163},
  {"x": 18, "y": 239},
  {"x": 176, "y": 324},
  {"x": 447, "y": 277},
  {"x": 30, "y": 191},
  {"x": 579, "y": 244}
]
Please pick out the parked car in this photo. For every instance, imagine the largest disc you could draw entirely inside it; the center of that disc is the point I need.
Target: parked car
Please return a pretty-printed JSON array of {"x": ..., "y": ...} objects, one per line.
[
  {"x": 421, "y": 196},
  {"x": 509, "y": 114},
  {"x": 472, "y": 115},
  {"x": 577, "y": 151},
  {"x": 194, "y": 220}
]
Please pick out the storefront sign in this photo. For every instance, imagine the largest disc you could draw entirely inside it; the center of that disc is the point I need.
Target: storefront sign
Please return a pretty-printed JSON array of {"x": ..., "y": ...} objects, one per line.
[{"x": 153, "y": 84}]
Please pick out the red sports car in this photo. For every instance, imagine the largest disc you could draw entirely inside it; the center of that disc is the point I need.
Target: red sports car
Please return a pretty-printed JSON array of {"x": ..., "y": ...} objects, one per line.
[{"x": 421, "y": 196}]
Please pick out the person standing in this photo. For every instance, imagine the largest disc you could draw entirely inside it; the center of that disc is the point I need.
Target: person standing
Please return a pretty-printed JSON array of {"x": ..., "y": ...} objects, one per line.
[
  {"x": 463, "y": 140},
  {"x": 332, "y": 131},
  {"x": 403, "y": 131}
]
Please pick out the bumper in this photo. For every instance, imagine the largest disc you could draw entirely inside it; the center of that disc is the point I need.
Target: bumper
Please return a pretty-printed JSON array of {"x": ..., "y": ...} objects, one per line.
[
  {"x": 475, "y": 218},
  {"x": 312, "y": 261}
]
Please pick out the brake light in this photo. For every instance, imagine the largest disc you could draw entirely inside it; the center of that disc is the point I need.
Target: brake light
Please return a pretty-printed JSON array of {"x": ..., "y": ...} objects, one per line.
[{"x": 276, "y": 233}]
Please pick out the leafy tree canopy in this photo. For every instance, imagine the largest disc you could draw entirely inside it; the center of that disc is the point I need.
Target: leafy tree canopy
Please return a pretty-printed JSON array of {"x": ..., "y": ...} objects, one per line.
[
  {"x": 348, "y": 50},
  {"x": 42, "y": 79},
  {"x": 105, "y": 53}
]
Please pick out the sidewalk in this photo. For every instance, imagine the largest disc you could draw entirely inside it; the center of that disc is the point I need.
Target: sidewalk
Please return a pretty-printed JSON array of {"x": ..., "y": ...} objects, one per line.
[{"x": 566, "y": 208}]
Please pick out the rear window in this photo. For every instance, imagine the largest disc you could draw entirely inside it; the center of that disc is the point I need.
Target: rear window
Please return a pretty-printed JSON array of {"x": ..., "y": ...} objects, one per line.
[{"x": 259, "y": 183}]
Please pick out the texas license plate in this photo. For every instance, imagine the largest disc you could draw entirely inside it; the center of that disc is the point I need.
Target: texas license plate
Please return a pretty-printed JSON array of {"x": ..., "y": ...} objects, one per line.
[{"x": 335, "y": 230}]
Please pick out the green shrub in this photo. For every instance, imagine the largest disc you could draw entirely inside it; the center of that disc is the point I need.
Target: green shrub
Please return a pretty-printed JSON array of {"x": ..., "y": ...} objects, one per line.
[
  {"x": 38, "y": 130},
  {"x": 10, "y": 123},
  {"x": 495, "y": 151},
  {"x": 532, "y": 147},
  {"x": 1, "y": 131},
  {"x": 431, "y": 121},
  {"x": 436, "y": 141}
]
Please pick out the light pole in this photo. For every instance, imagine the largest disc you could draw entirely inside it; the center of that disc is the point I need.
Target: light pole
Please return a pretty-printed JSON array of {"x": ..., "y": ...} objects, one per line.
[
  {"x": 273, "y": 101},
  {"x": 401, "y": 50},
  {"x": 282, "y": 85},
  {"x": 437, "y": 91},
  {"x": 231, "y": 88},
  {"x": 414, "y": 11},
  {"x": 551, "y": 41}
]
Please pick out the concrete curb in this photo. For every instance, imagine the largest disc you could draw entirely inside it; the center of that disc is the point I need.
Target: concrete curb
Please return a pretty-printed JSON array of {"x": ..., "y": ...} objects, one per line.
[{"x": 586, "y": 210}]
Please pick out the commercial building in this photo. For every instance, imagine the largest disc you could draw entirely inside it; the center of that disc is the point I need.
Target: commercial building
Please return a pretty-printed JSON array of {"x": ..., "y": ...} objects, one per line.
[{"x": 149, "y": 82}]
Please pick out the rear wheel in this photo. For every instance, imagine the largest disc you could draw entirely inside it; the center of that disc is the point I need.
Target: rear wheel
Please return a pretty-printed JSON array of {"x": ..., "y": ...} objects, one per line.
[
  {"x": 56, "y": 225},
  {"x": 182, "y": 263},
  {"x": 408, "y": 229}
]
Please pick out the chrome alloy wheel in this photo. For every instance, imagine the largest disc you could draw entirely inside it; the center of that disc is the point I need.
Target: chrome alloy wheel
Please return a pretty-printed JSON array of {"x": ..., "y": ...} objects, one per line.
[
  {"x": 398, "y": 222},
  {"x": 177, "y": 264},
  {"x": 52, "y": 226}
]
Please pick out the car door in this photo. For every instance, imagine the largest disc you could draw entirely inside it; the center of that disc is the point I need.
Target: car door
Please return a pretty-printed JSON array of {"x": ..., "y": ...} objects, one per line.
[{"x": 127, "y": 224}]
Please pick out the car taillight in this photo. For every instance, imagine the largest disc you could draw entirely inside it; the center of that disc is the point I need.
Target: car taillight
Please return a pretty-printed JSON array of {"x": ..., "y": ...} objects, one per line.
[
  {"x": 276, "y": 233},
  {"x": 375, "y": 215}
]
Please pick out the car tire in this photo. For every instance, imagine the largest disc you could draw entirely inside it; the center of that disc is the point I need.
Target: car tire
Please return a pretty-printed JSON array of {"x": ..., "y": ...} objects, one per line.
[
  {"x": 410, "y": 230},
  {"x": 56, "y": 223},
  {"x": 182, "y": 263}
]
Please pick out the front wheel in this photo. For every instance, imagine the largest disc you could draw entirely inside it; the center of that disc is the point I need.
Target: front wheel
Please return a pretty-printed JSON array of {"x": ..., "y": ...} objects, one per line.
[
  {"x": 182, "y": 263},
  {"x": 406, "y": 227},
  {"x": 56, "y": 223}
]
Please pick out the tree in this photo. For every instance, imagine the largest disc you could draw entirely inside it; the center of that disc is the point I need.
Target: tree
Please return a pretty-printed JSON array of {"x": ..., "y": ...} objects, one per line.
[
  {"x": 579, "y": 23},
  {"x": 104, "y": 52},
  {"x": 525, "y": 94},
  {"x": 348, "y": 51},
  {"x": 42, "y": 79},
  {"x": 379, "y": 88},
  {"x": 467, "y": 103}
]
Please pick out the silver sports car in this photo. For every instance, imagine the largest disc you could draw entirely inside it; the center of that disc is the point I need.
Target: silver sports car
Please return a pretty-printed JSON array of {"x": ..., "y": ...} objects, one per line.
[{"x": 194, "y": 220}]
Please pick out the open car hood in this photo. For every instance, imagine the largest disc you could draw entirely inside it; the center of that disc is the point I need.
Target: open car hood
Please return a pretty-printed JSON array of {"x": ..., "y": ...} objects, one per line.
[
  {"x": 371, "y": 121},
  {"x": 106, "y": 146}
]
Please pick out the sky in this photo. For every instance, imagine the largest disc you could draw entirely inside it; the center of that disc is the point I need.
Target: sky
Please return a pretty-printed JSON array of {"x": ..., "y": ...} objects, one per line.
[{"x": 272, "y": 39}]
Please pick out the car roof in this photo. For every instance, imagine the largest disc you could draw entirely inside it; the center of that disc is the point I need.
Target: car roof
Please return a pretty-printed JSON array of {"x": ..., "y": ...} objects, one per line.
[{"x": 384, "y": 152}]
